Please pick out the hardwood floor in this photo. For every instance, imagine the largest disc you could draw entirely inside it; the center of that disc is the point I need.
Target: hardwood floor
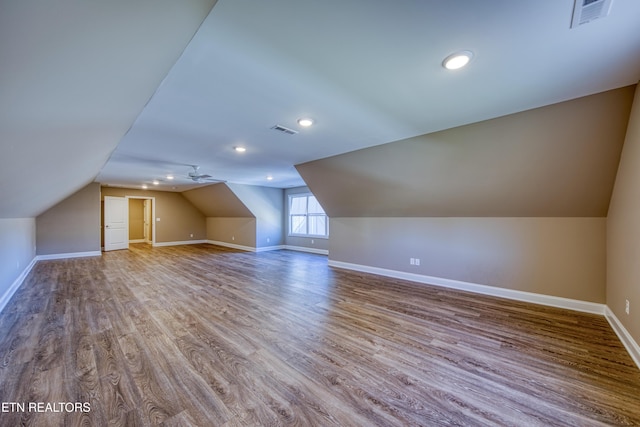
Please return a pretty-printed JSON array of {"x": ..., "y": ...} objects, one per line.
[{"x": 202, "y": 335}]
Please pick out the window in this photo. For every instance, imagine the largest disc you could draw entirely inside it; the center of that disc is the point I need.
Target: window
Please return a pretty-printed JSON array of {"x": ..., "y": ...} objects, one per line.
[{"x": 306, "y": 216}]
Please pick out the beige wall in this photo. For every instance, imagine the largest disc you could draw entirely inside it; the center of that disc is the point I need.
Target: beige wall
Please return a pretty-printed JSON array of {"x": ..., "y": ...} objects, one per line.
[
  {"x": 17, "y": 250},
  {"x": 230, "y": 208},
  {"x": 217, "y": 200},
  {"x": 623, "y": 231},
  {"x": 71, "y": 226},
  {"x": 266, "y": 205},
  {"x": 235, "y": 231},
  {"x": 554, "y": 161},
  {"x": 178, "y": 217},
  {"x": 563, "y": 257}
]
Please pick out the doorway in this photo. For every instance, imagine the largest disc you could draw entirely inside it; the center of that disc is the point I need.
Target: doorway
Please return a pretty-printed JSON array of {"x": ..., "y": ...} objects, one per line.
[
  {"x": 141, "y": 224},
  {"x": 118, "y": 217}
]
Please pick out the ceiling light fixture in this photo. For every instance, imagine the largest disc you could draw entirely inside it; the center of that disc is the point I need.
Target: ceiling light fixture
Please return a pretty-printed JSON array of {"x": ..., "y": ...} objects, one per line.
[
  {"x": 144, "y": 186},
  {"x": 457, "y": 60},
  {"x": 156, "y": 182},
  {"x": 269, "y": 178},
  {"x": 240, "y": 149},
  {"x": 305, "y": 122},
  {"x": 169, "y": 177}
]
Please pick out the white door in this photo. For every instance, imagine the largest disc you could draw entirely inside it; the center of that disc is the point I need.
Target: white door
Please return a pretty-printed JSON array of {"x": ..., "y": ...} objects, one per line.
[{"x": 116, "y": 223}]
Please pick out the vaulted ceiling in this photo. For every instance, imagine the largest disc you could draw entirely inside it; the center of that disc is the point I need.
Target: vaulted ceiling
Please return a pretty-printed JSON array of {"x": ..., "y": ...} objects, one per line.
[
  {"x": 125, "y": 92},
  {"x": 554, "y": 161}
]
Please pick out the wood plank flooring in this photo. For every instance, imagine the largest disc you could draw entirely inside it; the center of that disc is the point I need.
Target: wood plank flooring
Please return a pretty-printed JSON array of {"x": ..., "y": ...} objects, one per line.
[{"x": 206, "y": 336}]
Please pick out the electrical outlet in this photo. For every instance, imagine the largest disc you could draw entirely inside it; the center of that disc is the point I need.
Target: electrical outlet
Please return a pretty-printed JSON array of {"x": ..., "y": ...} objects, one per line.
[
  {"x": 417, "y": 261},
  {"x": 233, "y": 237},
  {"x": 626, "y": 306},
  {"x": 268, "y": 240},
  {"x": 412, "y": 261}
]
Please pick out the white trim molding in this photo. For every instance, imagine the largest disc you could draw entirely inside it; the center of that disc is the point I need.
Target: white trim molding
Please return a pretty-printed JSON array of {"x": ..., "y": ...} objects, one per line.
[
  {"x": 68, "y": 255},
  {"x": 269, "y": 248},
  {"x": 625, "y": 337},
  {"x": 559, "y": 302},
  {"x": 231, "y": 245},
  {"x": 246, "y": 248},
  {"x": 184, "y": 242},
  {"x": 305, "y": 249},
  {"x": 6, "y": 297}
]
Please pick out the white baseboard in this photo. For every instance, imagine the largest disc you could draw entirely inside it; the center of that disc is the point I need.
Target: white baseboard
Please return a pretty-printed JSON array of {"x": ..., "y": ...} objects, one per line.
[
  {"x": 559, "y": 302},
  {"x": 245, "y": 248},
  {"x": 184, "y": 242},
  {"x": 4, "y": 299},
  {"x": 305, "y": 249},
  {"x": 625, "y": 337},
  {"x": 138, "y": 241},
  {"x": 231, "y": 245},
  {"x": 269, "y": 248},
  {"x": 68, "y": 255}
]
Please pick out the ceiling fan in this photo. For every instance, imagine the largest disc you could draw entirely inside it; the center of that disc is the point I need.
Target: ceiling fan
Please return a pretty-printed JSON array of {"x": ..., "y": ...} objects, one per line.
[{"x": 195, "y": 176}]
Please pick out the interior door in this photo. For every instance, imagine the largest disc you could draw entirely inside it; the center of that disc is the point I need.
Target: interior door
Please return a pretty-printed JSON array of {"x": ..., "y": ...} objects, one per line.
[{"x": 116, "y": 223}]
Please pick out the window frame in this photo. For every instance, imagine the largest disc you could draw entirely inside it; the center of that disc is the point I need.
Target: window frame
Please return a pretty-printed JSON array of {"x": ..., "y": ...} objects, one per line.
[{"x": 306, "y": 217}]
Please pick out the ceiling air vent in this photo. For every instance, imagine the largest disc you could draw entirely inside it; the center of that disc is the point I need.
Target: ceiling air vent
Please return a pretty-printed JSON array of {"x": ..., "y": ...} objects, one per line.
[
  {"x": 588, "y": 10},
  {"x": 281, "y": 128}
]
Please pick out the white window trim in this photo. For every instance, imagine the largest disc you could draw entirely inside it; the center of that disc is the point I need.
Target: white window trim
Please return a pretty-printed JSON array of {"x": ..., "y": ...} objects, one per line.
[{"x": 289, "y": 215}]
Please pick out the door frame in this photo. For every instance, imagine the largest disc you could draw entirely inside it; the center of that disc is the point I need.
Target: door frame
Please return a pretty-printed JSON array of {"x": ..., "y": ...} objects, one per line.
[{"x": 153, "y": 214}]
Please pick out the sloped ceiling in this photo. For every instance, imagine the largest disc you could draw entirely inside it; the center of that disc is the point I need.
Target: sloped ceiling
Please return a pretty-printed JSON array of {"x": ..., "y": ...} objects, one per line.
[
  {"x": 217, "y": 200},
  {"x": 125, "y": 92},
  {"x": 555, "y": 161},
  {"x": 74, "y": 75},
  {"x": 369, "y": 72},
  {"x": 238, "y": 201}
]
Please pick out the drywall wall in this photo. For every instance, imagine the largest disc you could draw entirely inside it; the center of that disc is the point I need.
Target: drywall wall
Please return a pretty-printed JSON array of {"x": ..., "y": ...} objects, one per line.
[
  {"x": 71, "y": 226},
  {"x": 623, "y": 232},
  {"x": 231, "y": 208},
  {"x": 17, "y": 251},
  {"x": 314, "y": 243},
  {"x": 217, "y": 200},
  {"x": 266, "y": 204},
  {"x": 554, "y": 161},
  {"x": 232, "y": 231},
  {"x": 563, "y": 257},
  {"x": 179, "y": 219}
]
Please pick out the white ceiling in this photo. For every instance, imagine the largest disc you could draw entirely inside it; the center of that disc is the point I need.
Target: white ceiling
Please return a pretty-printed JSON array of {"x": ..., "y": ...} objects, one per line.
[
  {"x": 74, "y": 75},
  {"x": 369, "y": 72}
]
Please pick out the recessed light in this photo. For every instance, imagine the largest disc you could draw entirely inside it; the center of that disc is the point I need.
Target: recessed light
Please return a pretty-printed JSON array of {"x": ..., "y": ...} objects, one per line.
[
  {"x": 144, "y": 186},
  {"x": 269, "y": 178},
  {"x": 305, "y": 122},
  {"x": 457, "y": 60},
  {"x": 156, "y": 182},
  {"x": 169, "y": 177},
  {"x": 240, "y": 149}
]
